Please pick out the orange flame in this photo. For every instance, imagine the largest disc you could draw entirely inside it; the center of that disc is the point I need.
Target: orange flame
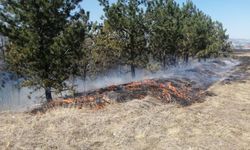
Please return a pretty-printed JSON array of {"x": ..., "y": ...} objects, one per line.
[
  {"x": 178, "y": 93},
  {"x": 68, "y": 101},
  {"x": 161, "y": 90},
  {"x": 166, "y": 94},
  {"x": 133, "y": 86}
]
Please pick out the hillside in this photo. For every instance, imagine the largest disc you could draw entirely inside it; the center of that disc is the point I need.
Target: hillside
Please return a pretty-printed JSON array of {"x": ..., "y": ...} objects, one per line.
[{"x": 222, "y": 121}]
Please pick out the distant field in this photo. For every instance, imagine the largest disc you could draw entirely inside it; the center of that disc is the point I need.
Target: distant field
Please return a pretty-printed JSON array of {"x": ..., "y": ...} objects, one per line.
[{"x": 241, "y": 50}]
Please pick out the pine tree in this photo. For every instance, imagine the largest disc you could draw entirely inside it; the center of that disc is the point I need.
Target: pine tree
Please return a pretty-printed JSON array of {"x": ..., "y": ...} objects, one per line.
[
  {"x": 164, "y": 30},
  {"x": 188, "y": 30},
  {"x": 107, "y": 49},
  {"x": 126, "y": 19},
  {"x": 45, "y": 40}
]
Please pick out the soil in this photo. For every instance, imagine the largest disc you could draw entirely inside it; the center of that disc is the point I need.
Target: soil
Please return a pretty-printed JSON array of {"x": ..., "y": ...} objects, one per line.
[{"x": 221, "y": 121}]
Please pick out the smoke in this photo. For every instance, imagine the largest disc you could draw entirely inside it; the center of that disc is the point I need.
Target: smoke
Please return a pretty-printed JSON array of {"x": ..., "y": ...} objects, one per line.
[{"x": 205, "y": 73}]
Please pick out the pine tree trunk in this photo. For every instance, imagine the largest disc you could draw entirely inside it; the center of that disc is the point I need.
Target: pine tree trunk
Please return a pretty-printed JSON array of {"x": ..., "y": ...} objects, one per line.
[
  {"x": 85, "y": 73},
  {"x": 132, "y": 55},
  {"x": 48, "y": 94},
  {"x": 186, "y": 58},
  {"x": 132, "y": 71},
  {"x": 2, "y": 48},
  {"x": 164, "y": 62},
  {"x": 3, "y": 55},
  {"x": 84, "y": 77},
  {"x": 174, "y": 60}
]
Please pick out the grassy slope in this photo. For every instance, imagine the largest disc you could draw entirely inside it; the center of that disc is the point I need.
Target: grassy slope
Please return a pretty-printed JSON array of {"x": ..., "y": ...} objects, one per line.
[{"x": 221, "y": 122}]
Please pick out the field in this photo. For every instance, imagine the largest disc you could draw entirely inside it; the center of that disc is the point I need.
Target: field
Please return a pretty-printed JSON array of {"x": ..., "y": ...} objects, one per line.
[{"x": 222, "y": 121}]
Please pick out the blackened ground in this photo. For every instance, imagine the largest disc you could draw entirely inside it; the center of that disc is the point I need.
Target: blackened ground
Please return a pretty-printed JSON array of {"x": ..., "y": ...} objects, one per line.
[
  {"x": 241, "y": 71},
  {"x": 184, "y": 87}
]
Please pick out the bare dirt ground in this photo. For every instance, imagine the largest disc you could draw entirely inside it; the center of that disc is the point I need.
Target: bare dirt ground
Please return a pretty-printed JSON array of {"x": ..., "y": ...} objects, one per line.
[{"x": 222, "y": 121}]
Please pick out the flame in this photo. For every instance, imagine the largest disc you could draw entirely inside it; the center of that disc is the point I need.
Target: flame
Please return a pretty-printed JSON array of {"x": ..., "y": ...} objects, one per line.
[
  {"x": 162, "y": 85},
  {"x": 176, "y": 92},
  {"x": 99, "y": 106},
  {"x": 168, "y": 88},
  {"x": 138, "y": 85},
  {"x": 163, "y": 90},
  {"x": 166, "y": 94},
  {"x": 149, "y": 81},
  {"x": 133, "y": 86},
  {"x": 68, "y": 101},
  {"x": 58, "y": 102}
]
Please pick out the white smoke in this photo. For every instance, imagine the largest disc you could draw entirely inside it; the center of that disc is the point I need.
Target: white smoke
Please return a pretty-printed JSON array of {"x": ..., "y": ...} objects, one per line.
[{"x": 204, "y": 73}]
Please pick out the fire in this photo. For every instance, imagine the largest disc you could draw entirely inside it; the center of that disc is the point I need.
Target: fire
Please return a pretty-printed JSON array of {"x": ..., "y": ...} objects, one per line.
[
  {"x": 166, "y": 94},
  {"x": 178, "y": 93},
  {"x": 168, "y": 88},
  {"x": 99, "y": 106},
  {"x": 149, "y": 81},
  {"x": 133, "y": 86},
  {"x": 161, "y": 89},
  {"x": 68, "y": 101},
  {"x": 162, "y": 85},
  {"x": 59, "y": 102},
  {"x": 138, "y": 85}
]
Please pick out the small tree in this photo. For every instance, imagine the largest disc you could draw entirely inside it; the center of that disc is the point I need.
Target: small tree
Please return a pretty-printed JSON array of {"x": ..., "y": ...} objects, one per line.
[
  {"x": 107, "y": 48},
  {"x": 45, "y": 40},
  {"x": 163, "y": 17},
  {"x": 188, "y": 29},
  {"x": 126, "y": 19}
]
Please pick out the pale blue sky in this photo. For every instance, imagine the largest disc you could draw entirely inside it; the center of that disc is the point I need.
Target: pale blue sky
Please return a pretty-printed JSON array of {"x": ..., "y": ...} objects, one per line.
[{"x": 234, "y": 14}]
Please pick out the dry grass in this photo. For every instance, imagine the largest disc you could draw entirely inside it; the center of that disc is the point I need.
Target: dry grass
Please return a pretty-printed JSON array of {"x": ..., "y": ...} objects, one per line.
[
  {"x": 221, "y": 122},
  {"x": 242, "y": 53}
]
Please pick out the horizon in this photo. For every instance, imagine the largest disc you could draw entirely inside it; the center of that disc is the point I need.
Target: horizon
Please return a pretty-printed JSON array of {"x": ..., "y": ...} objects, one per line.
[{"x": 232, "y": 14}]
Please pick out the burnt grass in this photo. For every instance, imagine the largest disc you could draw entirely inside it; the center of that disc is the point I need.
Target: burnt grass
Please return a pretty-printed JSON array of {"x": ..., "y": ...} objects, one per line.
[
  {"x": 241, "y": 71},
  {"x": 181, "y": 91}
]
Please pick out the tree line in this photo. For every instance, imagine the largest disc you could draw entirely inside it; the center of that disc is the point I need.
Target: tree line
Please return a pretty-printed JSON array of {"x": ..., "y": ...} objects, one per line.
[{"x": 52, "y": 41}]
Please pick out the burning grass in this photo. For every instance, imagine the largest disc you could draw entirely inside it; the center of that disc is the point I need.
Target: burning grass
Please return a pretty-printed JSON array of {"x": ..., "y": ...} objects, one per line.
[
  {"x": 183, "y": 85},
  {"x": 183, "y": 92}
]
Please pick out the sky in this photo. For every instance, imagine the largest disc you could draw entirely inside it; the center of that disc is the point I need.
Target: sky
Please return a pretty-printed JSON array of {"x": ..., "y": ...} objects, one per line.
[{"x": 234, "y": 14}]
